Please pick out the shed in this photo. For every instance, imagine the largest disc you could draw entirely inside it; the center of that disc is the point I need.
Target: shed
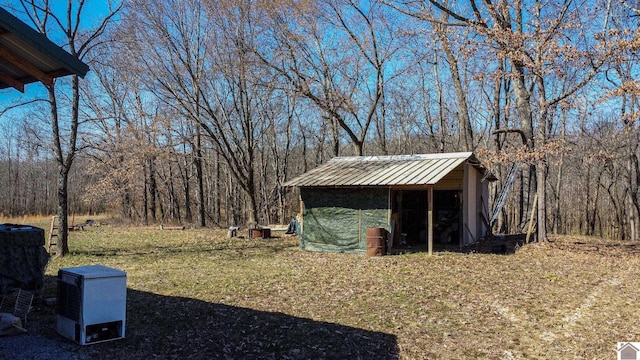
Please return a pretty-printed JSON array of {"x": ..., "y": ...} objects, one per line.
[{"x": 422, "y": 200}]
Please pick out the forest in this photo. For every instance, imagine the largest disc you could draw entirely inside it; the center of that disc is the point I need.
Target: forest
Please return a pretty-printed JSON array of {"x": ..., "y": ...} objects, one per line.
[{"x": 197, "y": 112}]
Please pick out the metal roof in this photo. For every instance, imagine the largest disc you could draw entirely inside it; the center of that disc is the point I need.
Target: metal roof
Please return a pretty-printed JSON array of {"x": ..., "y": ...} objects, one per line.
[
  {"x": 27, "y": 56},
  {"x": 394, "y": 170}
]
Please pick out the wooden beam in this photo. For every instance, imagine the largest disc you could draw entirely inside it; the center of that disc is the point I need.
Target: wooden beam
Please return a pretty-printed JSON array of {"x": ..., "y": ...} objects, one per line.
[
  {"x": 430, "y": 221},
  {"x": 301, "y": 217},
  {"x": 23, "y": 64},
  {"x": 12, "y": 82},
  {"x": 486, "y": 223},
  {"x": 360, "y": 230}
]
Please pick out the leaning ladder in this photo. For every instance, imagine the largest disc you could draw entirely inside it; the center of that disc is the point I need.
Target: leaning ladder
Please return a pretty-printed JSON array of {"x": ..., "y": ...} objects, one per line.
[
  {"x": 53, "y": 233},
  {"x": 506, "y": 189}
]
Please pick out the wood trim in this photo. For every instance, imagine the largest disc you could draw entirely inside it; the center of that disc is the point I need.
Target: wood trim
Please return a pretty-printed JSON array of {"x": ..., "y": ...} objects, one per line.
[
  {"x": 23, "y": 64},
  {"x": 430, "y": 221},
  {"x": 18, "y": 85},
  {"x": 301, "y": 216}
]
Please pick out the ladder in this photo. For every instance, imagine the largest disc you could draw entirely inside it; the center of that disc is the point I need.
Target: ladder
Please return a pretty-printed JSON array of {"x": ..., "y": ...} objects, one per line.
[
  {"x": 506, "y": 189},
  {"x": 53, "y": 233}
]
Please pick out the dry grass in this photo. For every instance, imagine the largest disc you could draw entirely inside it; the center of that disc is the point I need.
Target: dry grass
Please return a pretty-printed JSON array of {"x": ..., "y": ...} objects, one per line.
[{"x": 195, "y": 294}]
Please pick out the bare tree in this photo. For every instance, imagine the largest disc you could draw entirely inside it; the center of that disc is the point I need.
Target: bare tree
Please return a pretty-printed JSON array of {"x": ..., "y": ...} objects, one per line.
[
  {"x": 80, "y": 41},
  {"x": 531, "y": 38},
  {"x": 336, "y": 54},
  {"x": 198, "y": 61}
]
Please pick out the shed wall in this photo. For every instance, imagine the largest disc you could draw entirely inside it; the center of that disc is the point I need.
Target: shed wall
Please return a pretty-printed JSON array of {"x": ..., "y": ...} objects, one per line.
[
  {"x": 329, "y": 216},
  {"x": 452, "y": 181}
]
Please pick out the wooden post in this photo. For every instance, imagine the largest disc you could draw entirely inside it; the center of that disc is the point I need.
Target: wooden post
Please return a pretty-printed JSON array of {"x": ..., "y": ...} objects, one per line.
[
  {"x": 430, "y": 221},
  {"x": 301, "y": 215},
  {"x": 533, "y": 212},
  {"x": 360, "y": 230}
]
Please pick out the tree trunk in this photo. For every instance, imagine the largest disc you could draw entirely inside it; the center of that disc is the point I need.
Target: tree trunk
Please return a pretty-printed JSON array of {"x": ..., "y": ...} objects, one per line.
[
  {"x": 335, "y": 136},
  {"x": 502, "y": 224},
  {"x": 465, "y": 132},
  {"x": 186, "y": 188},
  {"x": 541, "y": 179},
  {"x": 62, "y": 246},
  {"x": 199, "y": 179},
  {"x": 556, "y": 211},
  {"x": 303, "y": 137},
  {"x": 593, "y": 213},
  {"x": 635, "y": 194},
  {"x": 381, "y": 127},
  {"x": 145, "y": 195},
  {"x": 441, "y": 120},
  {"x": 153, "y": 189},
  {"x": 217, "y": 193},
  {"x": 252, "y": 203}
]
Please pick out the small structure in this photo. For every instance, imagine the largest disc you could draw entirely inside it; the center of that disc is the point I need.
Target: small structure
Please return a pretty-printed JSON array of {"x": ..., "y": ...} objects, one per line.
[{"x": 421, "y": 200}]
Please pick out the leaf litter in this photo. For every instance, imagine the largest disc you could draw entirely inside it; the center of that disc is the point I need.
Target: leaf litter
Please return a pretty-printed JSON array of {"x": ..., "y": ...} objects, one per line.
[{"x": 196, "y": 294}]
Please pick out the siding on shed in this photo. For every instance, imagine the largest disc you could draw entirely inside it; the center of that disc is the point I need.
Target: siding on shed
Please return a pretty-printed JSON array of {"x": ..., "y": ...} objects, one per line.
[{"x": 470, "y": 206}]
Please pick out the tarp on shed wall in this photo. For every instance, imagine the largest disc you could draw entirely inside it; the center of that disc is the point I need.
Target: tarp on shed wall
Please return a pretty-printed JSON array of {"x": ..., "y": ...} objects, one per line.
[{"x": 337, "y": 219}]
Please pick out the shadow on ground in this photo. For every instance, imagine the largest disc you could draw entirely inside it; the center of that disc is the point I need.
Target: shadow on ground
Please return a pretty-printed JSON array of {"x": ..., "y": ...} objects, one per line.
[
  {"x": 182, "y": 328},
  {"x": 496, "y": 244}
]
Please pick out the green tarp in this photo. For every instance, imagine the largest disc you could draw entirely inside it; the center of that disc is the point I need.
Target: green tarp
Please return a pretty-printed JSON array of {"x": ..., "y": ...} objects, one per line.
[{"x": 336, "y": 219}]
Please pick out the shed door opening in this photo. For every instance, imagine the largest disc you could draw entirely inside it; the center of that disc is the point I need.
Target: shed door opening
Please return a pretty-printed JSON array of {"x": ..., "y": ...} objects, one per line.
[
  {"x": 446, "y": 217},
  {"x": 410, "y": 212}
]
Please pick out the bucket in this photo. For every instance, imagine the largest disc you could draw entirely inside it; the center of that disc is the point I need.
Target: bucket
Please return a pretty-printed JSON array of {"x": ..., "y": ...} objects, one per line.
[{"x": 376, "y": 237}]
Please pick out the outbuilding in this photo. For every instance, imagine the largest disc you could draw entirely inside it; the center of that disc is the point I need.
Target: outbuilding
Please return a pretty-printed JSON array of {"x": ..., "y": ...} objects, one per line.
[{"x": 422, "y": 201}]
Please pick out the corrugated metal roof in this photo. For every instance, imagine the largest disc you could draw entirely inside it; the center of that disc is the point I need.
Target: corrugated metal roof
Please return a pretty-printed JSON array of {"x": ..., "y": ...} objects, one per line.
[
  {"x": 24, "y": 52},
  {"x": 394, "y": 170}
]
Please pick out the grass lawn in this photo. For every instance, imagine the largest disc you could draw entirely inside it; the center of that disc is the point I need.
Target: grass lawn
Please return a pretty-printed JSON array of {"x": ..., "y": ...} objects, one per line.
[{"x": 195, "y": 294}]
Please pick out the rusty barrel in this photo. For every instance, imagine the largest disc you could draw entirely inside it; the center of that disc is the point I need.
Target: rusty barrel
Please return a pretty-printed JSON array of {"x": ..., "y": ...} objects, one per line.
[{"x": 376, "y": 239}]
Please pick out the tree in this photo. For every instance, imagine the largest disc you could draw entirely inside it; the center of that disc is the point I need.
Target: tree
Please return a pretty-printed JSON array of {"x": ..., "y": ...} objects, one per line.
[
  {"x": 336, "y": 54},
  {"x": 530, "y": 36},
  {"x": 120, "y": 138},
  {"x": 196, "y": 60},
  {"x": 80, "y": 41},
  {"x": 624, "y": 86}
]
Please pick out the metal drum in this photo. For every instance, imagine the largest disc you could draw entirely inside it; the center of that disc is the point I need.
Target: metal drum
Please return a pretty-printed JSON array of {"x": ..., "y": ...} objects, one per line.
[{"x": 376, "y": 241}]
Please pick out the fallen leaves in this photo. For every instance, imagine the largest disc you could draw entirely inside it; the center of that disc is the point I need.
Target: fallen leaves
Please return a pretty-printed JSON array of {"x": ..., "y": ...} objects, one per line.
[{"x": 195, "y": 294}]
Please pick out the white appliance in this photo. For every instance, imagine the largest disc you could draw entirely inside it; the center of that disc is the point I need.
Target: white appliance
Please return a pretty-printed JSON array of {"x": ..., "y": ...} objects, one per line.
[{"x": 91, "y": 304}]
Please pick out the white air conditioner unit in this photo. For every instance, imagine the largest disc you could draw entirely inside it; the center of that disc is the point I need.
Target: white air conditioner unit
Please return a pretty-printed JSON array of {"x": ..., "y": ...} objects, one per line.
[{"x": 91, "y": 304}]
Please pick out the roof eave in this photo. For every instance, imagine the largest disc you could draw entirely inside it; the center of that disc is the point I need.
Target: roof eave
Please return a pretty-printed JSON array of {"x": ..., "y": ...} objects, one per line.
[{"x": 42, "y": 44}]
